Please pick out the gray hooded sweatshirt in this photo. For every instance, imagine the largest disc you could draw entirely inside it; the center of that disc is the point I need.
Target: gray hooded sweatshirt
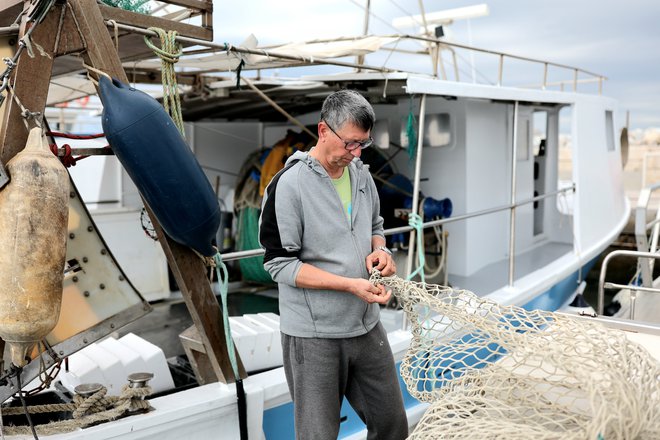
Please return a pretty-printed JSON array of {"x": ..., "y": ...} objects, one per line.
[{"x": 303, "y": 221}]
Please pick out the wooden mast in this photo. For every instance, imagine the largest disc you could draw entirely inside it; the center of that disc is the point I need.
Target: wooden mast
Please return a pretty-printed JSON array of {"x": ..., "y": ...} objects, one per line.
[{"x": 80, "y": 27}]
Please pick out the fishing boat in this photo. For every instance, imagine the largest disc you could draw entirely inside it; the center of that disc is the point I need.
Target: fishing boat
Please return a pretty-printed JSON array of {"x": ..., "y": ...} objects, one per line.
[{"x": 520, "y": 190}]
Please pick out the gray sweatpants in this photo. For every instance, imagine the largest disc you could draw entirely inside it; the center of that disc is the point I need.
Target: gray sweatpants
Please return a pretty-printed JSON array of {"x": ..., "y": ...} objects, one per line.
[{"x": 320, "y": 372}]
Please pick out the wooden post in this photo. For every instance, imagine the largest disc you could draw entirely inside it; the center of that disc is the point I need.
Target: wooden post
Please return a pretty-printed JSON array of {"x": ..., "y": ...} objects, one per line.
[
  {"x": 32, "y": 77},
  {"x": 188, "y": 269}
]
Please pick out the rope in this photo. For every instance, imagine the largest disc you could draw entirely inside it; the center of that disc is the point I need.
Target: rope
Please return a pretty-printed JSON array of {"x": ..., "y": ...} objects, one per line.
[
  {"x": 223, "y": 283},
  {"x": 86, "y": 411},
  {"x": 116, "y": 29},
  {"x": 97, "y": 71},
  {"x": 411, "y": 133},
  {"x": 45, "y": 377},
  {"x": 75, "y": 136},
  {"x": 416, "y": 221},
  {"x": 25, "y": 408},
  {"x": 67, "y": 160},
  {"x": 27, "y": 114},
  {"x": 169, "y": 54}
]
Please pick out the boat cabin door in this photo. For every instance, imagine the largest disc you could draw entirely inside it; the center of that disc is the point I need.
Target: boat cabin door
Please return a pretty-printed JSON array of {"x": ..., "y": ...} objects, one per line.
[
  {"x": 524, "y": 190},
  {"x": 531, "y": 174}
]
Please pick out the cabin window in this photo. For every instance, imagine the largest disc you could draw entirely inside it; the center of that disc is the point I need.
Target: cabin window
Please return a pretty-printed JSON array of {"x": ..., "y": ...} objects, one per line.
[
  {"x": 539, "y": 139},
  {"x": 609, "y": 130},
  {"x": 437, "y": 130},
  {"x": 540, "y": 132}
]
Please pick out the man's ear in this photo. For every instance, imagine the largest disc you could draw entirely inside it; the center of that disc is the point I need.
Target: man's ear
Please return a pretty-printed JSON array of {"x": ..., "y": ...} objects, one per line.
[{"x": 322, "y": 129}]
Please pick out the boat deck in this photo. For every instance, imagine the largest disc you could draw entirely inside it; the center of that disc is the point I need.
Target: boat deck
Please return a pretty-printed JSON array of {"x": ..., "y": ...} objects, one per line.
[{"x": 496, "y": 275}]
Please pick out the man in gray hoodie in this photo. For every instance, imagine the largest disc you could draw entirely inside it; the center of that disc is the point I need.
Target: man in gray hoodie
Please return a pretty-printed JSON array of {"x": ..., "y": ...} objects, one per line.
[{"x": 322, "y": 232}]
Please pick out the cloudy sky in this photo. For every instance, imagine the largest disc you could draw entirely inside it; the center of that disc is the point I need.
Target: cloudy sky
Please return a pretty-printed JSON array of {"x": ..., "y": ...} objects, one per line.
[{"x": 615, "y": 38}]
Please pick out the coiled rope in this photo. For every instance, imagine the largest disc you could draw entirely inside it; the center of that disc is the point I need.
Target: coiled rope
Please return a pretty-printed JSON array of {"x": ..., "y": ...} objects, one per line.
[
  {"x": 86, "y": 411},
  {"x": 169, "y": 54},
  {"x": 416, "y": 221}
]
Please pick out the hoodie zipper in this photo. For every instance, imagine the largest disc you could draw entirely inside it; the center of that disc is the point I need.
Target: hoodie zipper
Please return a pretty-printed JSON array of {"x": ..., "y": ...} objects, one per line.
[{"x": 355, "y": 189}]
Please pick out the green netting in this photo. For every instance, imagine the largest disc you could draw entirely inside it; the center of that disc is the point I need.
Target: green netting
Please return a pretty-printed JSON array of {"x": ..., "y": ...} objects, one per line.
[
  {"x": 248, "y": 238},
  {"x": 139, "y": 6}
]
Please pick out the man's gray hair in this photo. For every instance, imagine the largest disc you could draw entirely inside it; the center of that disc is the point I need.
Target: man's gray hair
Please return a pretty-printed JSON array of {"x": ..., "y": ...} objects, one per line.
[{"x": 348, "y": 106}]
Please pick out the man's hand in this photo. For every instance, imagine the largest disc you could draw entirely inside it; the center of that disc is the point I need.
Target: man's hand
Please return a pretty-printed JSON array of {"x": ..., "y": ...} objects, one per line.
[
  {"x": 369, "y": 293},
  {"x": 381, "y": 260}
]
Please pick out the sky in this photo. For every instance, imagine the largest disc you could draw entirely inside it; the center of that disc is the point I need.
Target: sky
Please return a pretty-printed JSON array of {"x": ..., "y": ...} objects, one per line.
[{"x": 615, "y": 38}]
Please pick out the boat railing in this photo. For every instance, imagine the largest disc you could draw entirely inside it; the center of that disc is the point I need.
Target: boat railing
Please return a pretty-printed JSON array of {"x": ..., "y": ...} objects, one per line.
[
  {"x": 649, "y": 328},
  {"x": 503, "y": 56},
  {"x": 644, "y": 243},
  {"x": 602, "y": 285},
  {"x": 435, "y": 45},
  {"x": 509, "y": 207}
]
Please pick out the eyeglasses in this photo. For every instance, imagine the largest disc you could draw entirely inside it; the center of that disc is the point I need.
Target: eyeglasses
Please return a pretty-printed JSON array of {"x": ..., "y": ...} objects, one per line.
[{"x": 352, "y": 145}]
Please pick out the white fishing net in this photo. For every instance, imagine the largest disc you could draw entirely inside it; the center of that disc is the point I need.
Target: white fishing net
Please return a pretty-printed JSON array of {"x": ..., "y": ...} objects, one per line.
[{"x": 502, "y": 372}]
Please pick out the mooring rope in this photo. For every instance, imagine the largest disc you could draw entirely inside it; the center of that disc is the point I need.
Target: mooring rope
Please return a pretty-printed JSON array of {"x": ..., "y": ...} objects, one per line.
[
  {"x": 86, "y": 411},
  {"x": 223, "y": 283}
]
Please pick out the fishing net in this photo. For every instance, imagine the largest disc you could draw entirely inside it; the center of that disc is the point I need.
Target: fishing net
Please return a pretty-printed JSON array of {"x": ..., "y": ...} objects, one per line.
[{"x": 491, "y": 371}]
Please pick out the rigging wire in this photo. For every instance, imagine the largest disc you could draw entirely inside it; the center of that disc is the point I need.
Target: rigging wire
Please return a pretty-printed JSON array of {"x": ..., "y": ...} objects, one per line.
[
  {"x": 25, "y": 408},
  {"x": 389, "y": 25}
]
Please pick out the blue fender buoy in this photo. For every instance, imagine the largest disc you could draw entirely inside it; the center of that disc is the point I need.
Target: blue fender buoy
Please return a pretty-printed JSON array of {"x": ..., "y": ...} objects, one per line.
[{"x": 158, "y": 160}]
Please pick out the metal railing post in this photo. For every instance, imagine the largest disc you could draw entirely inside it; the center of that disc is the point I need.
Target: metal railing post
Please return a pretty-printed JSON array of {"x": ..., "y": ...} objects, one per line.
[
  {"x": 415, "y": 195},
  {"x": 415, "y": 200},
  {"x": 453, "y": 55},
  {"x": 602, "y": 285},
  {"x": 512, "y": 220},
  {"x": 441, "y": 63}
]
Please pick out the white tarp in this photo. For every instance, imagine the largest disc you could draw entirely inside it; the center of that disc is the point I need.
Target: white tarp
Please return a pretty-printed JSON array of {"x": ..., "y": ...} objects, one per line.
[{"x": 225, "y": 61}]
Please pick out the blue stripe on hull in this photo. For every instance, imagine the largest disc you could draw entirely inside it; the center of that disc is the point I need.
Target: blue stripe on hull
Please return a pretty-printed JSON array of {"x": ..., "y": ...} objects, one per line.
[
  {"x": 555, "y": 297},
  {"x": 278, "y": 421}
]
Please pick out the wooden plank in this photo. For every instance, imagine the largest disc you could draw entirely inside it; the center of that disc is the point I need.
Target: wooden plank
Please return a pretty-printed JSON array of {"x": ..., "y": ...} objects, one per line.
[
  {"x": 200, "y": 5},
  {"x": 188, "y": 269},
  {"x": 8, "y": 45},
  {"x": 30, "y": 78},
  {"x": 191, "y": 276},
  {"x": 199, "y": 361},
  {"x": 2, "y": 355},
  {"x": 147, "y": 21}
]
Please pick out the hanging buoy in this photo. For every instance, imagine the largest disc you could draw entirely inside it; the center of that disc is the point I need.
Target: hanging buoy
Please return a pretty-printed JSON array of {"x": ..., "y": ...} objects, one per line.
[
  {"x": 33, "y": 233},
  {"x": 165, "y": 171}
]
